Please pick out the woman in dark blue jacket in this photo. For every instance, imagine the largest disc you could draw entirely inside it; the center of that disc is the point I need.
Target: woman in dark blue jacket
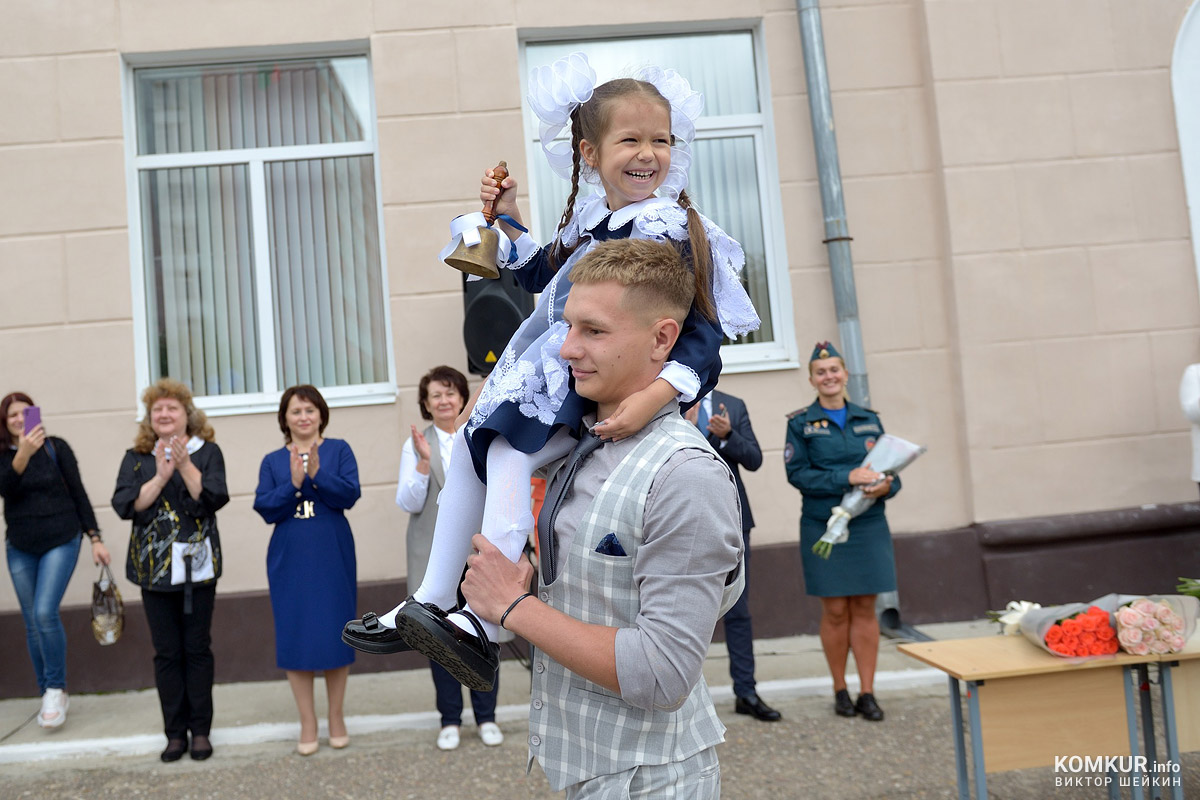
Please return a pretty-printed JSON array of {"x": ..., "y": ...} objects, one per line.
[{"x": 826, "y": 444}]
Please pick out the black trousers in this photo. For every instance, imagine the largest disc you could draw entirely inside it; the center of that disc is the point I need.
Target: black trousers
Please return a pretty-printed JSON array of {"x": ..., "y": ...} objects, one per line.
[
  {"x": 183, "y": 658},
  {"x": 739, "y": 634}
]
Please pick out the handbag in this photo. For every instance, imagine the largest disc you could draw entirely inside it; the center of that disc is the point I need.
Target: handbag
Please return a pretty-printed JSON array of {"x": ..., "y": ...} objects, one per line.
[{"x": 108, "y": 612}]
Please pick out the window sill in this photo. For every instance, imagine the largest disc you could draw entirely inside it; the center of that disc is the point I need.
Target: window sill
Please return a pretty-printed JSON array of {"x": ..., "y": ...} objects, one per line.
[{"x": 263, "y": 403}]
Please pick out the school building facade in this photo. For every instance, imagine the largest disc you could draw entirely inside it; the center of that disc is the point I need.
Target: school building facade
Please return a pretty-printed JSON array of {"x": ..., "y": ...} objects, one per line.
[{"x": 247, "y": 195}]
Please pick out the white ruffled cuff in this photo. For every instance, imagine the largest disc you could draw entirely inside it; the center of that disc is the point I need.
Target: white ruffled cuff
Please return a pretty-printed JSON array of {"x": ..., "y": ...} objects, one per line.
[
  {"x": 683, "y": 378},
  {"x": 527, "y": 248}
]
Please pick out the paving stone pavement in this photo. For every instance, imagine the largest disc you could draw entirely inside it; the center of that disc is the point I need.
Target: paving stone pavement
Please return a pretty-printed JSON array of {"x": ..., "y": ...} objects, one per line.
[{"x": 109, "y": 746}]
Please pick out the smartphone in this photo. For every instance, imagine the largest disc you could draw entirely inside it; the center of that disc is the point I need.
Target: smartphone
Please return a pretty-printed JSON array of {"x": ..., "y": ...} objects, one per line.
[{"x": 33, "y": 418}]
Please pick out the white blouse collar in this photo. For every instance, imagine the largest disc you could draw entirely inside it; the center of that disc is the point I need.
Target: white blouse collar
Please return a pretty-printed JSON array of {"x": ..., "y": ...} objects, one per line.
[{"x": 595, "y": 209}]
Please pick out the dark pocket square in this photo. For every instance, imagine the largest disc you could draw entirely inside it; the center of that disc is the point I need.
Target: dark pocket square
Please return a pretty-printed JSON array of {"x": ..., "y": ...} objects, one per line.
[{"x": 609, "y": 546}]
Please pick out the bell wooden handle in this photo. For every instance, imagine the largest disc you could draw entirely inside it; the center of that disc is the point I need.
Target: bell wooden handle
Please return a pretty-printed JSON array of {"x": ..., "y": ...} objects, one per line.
[{"x": 499, "y": 172}]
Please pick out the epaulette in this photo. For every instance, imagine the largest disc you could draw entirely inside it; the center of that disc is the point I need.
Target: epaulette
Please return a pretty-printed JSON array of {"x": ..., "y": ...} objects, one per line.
[{"x": 798, "y": 412}]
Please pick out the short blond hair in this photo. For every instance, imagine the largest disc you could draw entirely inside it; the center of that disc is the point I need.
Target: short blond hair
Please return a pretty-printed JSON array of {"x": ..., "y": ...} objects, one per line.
[
  {"x": 197, "y": 420},
  {"x": 652, "y": 272}
]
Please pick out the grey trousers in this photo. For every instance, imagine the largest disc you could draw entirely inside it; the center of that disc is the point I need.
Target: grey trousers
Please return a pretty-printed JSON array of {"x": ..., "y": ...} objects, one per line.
[{"x": 695, "y": 778}]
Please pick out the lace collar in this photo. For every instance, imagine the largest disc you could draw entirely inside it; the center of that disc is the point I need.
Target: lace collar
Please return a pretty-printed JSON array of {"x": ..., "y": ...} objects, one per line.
[{"x": 594, "y": 210}]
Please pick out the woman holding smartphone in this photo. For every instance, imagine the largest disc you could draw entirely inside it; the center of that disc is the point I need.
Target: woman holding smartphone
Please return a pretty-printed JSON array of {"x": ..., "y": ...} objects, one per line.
[{"x": 46, "y": 509}]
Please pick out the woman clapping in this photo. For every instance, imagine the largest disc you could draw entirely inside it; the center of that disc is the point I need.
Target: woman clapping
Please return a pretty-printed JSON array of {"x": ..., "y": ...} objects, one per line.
[{"x": 304, "y": 490}]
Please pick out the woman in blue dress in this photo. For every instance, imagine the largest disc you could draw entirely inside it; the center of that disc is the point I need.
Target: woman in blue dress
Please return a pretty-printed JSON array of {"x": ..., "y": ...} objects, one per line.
[{"x": 304, "y": 489}]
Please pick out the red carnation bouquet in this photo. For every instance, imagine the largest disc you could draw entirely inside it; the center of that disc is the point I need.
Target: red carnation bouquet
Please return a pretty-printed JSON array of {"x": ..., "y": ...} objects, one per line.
[{"x": 1087, "y": 633}]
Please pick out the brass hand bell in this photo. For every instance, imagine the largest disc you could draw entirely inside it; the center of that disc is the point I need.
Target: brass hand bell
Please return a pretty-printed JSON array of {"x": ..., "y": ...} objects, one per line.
[{"x": 479, "y": 258}]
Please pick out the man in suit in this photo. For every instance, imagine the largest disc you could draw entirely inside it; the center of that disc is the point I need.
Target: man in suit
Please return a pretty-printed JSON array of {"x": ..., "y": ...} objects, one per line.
[
  {"x": 730, "y": 433},
  {"x": 640, "y": 555}
]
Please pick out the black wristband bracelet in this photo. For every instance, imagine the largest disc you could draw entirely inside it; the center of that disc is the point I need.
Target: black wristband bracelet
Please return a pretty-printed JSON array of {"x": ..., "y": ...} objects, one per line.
[
  {"x": 95, "y": 537},
  {"x": 508, "y": 611}
]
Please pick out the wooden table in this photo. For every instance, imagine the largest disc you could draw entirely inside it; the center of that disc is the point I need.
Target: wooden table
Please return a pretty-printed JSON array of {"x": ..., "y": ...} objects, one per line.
[{"x": 1027, "y": 706}]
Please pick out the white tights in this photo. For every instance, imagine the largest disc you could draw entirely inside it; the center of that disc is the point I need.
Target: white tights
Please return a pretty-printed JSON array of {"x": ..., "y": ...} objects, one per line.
[{"x": 500, "y": 510}]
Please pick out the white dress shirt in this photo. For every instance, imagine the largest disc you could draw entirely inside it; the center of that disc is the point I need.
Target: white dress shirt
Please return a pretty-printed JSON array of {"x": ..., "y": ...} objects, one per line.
[{"x": 706, "y": 404}]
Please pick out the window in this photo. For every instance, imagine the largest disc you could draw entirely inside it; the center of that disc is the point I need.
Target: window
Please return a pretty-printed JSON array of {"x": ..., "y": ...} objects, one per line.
[
  {"x": 256, "y": 236},
  {"x": 733, "y": 179}
]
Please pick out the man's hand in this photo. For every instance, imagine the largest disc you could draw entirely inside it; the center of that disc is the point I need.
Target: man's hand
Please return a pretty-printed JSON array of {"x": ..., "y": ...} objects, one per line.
[
  {"x": 492, "y": 581},
  {"x": 718, "y": 424}
]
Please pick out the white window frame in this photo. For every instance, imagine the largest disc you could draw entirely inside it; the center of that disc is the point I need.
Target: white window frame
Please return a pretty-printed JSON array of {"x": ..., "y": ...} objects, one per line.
[
  {"x": 255, "y": 160},
  {"x": 781, "y": 353}
]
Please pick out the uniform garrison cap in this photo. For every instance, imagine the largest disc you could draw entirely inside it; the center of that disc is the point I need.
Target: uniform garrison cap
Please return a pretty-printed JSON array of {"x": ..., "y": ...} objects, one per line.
[{"x": 824, "y": 350}]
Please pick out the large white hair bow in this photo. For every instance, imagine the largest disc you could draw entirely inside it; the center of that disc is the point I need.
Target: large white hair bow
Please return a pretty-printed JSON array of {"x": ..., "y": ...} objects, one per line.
[{"x": 555, "y": 91}]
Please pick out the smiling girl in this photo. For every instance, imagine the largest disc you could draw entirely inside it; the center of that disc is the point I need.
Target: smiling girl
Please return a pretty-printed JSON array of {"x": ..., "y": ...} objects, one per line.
[{"x": 630, "y": 140}]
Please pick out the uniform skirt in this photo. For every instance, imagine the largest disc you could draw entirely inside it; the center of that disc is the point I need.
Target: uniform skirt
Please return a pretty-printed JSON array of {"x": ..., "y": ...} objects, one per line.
[{"x": 863, "y": 564}]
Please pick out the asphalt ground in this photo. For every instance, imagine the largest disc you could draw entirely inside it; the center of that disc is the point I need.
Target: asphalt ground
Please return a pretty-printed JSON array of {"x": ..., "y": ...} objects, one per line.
[{"x": 109, "y": 746}]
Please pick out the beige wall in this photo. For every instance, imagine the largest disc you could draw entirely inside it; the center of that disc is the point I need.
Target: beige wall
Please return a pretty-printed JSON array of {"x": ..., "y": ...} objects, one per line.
[{"x": 1012, "y": 179}]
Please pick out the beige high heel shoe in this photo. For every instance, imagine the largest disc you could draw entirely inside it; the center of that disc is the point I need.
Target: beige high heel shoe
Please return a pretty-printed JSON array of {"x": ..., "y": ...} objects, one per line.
[
  {"x": 339, "y": 742},
  {"x": 307, "y": 748}
]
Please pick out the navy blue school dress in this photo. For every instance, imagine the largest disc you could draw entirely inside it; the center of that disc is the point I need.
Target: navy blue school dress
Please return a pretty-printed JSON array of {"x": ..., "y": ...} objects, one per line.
[
  {"x": 311, "y": 568},
  {"x": 530, "y": 392},
  {"x": 819, "y": 456}
]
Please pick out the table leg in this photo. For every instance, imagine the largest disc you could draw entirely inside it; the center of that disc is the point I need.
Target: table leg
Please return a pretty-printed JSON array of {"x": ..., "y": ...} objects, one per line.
[
  {"x": 976, "y": 740},
  {"x": 1169, "y": 731},
  {"x": 1148, "y": 723},
  {"x": 1131, "y": 677},
  {"x": 960, "y": 746}
]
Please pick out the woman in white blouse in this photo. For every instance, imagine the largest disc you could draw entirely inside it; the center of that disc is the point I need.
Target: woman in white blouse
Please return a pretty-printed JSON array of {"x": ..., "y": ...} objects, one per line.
[{"x": 442, "y": 394}]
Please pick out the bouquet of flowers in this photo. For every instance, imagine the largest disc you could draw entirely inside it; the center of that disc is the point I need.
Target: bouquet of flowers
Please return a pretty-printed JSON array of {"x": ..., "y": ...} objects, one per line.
[
  {"x": 1154, "y": 624},
  {"x": 1072, "y": 630},
  {"x": 889, "y": 455},
  {"x": 1189, "y": 586},
  {"x": 1010, "y": 618}
]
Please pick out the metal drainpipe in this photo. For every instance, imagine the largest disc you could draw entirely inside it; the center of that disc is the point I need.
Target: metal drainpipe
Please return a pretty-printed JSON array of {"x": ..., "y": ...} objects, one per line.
[
  {"x": 837, "y": 240},
  {"x": 829, "y": 174}
]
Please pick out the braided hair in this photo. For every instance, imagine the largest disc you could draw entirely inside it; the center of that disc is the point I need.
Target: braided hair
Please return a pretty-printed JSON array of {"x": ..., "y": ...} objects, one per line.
[{"x": 590, "y": 121}]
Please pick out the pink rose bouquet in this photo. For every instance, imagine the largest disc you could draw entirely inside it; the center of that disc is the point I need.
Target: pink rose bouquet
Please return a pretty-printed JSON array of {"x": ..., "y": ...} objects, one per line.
[{"x": 1158, "y": 625}]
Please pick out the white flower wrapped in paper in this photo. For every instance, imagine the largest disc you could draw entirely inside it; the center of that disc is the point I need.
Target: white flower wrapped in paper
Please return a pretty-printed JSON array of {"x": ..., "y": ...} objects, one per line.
[
  {"x": 1010, "y": 618},
  {"x": 889, "y": 455}
]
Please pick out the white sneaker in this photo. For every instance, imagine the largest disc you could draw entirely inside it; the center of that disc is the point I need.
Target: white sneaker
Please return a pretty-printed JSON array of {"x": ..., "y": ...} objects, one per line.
[
  {"x": 448, "y": 738},
  {"x": 491, "y": 734},
  {"x": 54, "y": 708}
]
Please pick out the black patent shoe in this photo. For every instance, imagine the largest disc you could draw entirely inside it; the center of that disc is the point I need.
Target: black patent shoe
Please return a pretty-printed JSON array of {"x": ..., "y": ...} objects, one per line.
[
  {"x": 175, "y": 750},
  {"x": 869, "y": 709},
  {"x": 842, "y": 704},
  {"x": 371, "y": 636},
  {"x": 753, "y": 705},
  {"x": 470, "y": 658}
]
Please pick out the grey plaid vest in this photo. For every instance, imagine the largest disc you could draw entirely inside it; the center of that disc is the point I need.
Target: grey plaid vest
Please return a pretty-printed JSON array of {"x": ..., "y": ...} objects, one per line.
[{"x": 578, "y": 729}]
